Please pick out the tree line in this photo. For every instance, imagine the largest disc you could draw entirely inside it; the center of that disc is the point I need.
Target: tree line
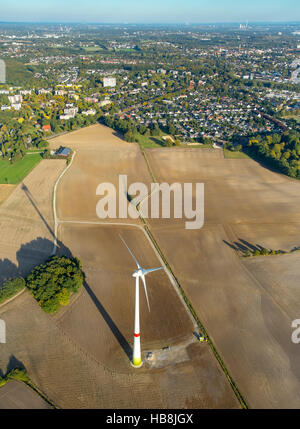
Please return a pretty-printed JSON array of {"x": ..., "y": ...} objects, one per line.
[
  {"x": 280, "y": 152},
  {"x": 52, "y": 284}
]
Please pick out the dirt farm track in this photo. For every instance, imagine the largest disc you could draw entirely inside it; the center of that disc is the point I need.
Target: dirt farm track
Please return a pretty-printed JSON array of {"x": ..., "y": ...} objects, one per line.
[{"x": 80, "y": 357}]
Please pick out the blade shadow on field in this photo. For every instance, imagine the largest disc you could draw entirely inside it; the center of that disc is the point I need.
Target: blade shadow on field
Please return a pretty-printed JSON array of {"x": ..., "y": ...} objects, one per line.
[{"x": 30, "y": 198}]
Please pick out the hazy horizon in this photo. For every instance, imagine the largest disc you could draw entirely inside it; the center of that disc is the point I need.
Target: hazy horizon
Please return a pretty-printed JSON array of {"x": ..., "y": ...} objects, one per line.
[
  {"x": 148, "y": 23},
  {"x": 154, "y": 12}
]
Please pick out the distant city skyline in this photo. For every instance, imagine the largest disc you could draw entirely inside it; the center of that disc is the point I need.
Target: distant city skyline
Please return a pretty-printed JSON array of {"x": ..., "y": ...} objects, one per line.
[{"x": 154, "y": 11}]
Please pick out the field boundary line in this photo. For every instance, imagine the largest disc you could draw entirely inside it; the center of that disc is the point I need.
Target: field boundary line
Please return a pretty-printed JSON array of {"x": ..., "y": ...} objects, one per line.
[
  {"x": 56, "y": 220},
  {"x": 148, "y": 164},
  {"x": 197, "y": 321},
  {"x": 189, "y": 305},
  {"x": 13, "y": 297}
]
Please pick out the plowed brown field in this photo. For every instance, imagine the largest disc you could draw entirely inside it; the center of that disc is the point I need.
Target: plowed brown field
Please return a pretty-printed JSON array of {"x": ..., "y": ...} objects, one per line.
[{"x": 246, "y": 305}]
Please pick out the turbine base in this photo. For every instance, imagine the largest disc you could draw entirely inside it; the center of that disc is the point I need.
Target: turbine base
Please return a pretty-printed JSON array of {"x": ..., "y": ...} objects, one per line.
[{"x": 136, "y": 363}]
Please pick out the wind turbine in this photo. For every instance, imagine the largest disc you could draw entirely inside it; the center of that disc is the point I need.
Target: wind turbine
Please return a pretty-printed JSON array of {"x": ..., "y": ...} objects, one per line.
[{"x": 140, "y": 273}]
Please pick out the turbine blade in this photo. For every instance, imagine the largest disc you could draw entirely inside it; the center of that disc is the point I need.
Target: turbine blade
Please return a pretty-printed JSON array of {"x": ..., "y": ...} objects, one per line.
[
  {"x": 133, "y": 257},
  {"x": 146, "y": 292},
  {"x": 152, "y": 270}
]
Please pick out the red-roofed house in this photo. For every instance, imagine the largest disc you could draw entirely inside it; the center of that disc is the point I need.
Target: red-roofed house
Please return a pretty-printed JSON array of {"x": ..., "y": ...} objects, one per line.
[{"x": 46, "y": 128}]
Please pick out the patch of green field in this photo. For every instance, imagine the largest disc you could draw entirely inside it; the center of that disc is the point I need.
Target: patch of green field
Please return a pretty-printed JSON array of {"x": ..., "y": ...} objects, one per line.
[
  {"x": 14, "y": 173},
  {"x": 17, "y": 72},
  {"x": 92, "y": 48},
  {"x": 295, "y": 117},
  {"x": 124, "y": 50},
  {"x": 235, "y": 155},
  {"x": 200, "y": 145},
  {"x": 150, "y": 142}
]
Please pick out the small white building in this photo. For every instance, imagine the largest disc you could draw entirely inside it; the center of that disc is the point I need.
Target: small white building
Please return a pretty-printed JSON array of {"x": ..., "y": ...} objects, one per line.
[
  {"x": 60, "y": 92},
  {"x": 69, "y": 113},
  {"x": 16, "y": 106},
  {"x": 109, "y": 82},
  {"x": 26, "y": 92},
  {"x": 105, "y": 102},
  {"x": 89, "y": 112},
  {"x": 15, "y": 99},
  {"x": 44, "y": 91}
]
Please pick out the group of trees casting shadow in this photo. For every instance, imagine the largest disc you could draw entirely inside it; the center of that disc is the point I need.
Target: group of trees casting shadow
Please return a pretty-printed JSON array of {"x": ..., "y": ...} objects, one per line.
[{"x": 246, "y": 249}]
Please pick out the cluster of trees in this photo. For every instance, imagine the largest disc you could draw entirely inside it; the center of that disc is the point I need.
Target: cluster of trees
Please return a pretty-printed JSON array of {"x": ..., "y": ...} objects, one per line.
[
  {"x": 59, "y": 126},
  {"x": 123, "y": 126},
  {"x": 279, "y": 152},
  {"x": 233, "y": 147},
  {"x": 128, "y": 129},
  {"x": 290, "y": 113},
  {"x": 16, "y": 138},
  {"x": 262, "y": 252},
  {"x": 133, "y": 133},
  {"x": 53, "y": 283},
  {"x": 291, "y": 116}
]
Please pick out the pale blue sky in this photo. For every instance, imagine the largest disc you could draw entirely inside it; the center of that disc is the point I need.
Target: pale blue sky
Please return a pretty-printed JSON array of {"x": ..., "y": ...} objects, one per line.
[{"x": 161, "y": 11}]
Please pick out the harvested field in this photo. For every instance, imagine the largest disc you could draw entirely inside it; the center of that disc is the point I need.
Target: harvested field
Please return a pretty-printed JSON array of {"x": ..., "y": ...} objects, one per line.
[
  {"x": 243, "y": 312},
  {"x": 279, "y": 276},
  {"x": 247, "y": 305},
  {"x": 72, "y": 378},
  {"x": 106, "y": 307},
  {"x": 109, "y": 268},
  {"x": 237, "y": 191},
  {"x": 80, "y": 357},
  {"x": 26, "y": 221},
  {"x": 5, "y": 191},
  {"x": 101, "y": 158},
  {"x": 16, "y": 395}
]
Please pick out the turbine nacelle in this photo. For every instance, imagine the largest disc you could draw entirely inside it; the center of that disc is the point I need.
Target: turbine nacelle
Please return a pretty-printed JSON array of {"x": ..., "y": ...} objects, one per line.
[
  {"x": 138, "y": 273},
  {"x": 141, "y": 272}
]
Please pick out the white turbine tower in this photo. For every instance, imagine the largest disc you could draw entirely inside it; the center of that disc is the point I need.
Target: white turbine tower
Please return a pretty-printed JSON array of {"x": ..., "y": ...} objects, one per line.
[{"x": 140, "y": 273}]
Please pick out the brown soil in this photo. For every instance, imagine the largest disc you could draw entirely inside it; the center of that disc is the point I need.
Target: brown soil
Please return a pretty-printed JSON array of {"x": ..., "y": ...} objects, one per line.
[{"x": 246, "y": 313}]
